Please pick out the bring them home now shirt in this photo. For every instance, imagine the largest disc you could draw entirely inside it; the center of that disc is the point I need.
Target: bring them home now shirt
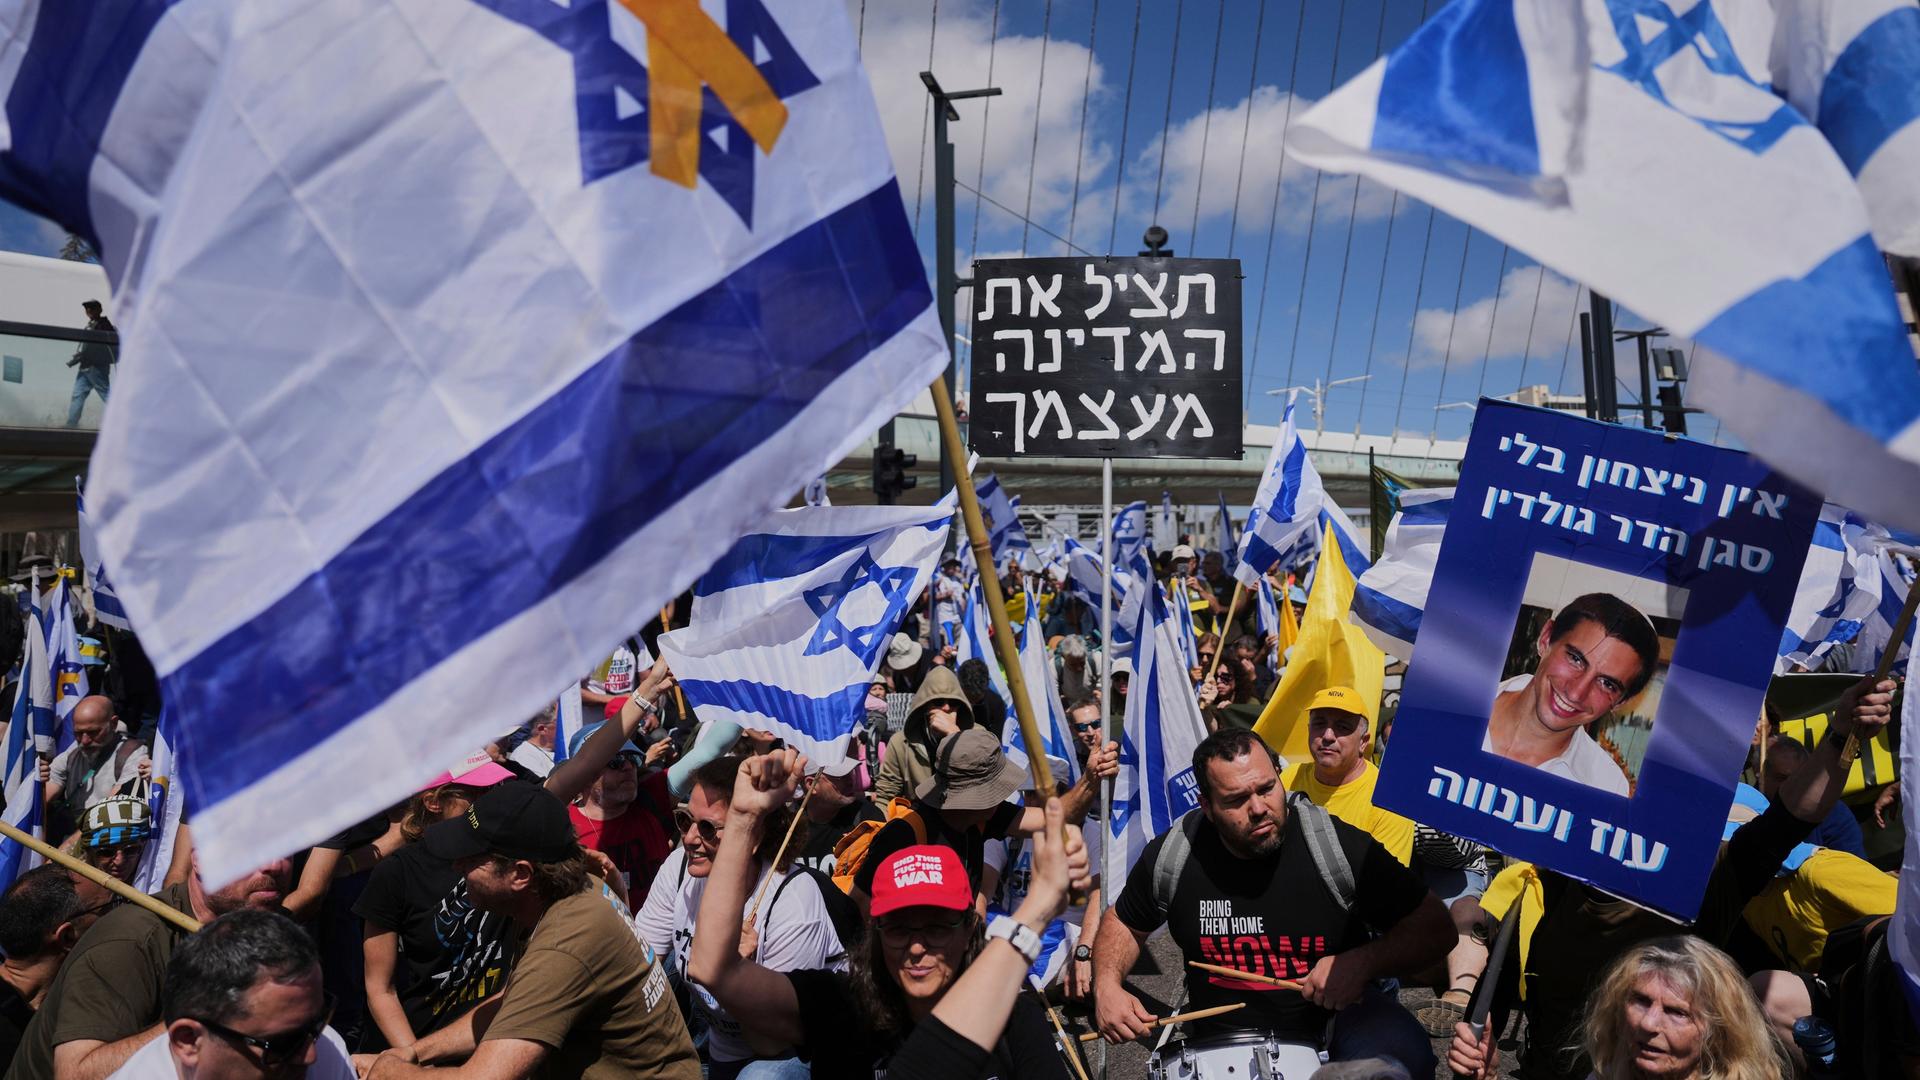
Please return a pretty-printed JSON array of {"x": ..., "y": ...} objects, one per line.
[{"x": 1268, "y": 916}]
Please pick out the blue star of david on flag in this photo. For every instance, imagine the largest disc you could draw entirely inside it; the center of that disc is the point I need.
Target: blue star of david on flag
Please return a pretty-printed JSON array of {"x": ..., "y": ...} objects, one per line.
[
  {"x": 612, "y": 88},
  {"x": 829, "y": 600},
  {"x": 789, "y": 626},
  {"x": 1653, "y": 34}
]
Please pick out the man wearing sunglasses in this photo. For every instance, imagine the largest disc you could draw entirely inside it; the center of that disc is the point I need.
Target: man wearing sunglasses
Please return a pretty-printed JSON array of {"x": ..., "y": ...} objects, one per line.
[{"x": 242, "y": 1000}]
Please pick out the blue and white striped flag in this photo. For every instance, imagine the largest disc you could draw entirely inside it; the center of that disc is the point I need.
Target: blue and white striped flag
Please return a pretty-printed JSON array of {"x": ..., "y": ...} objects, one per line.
[
  {"x": 1389, "y": 597},
  {"x": 568, "y": 718},
  {"x": 70, "y": 682},
  {"x": 1166, "y": 527},
  {"x": 1005, "y": 534},
  {"x": 1181, "y": 608},
  {"x": 166, "y": 807},
  {"x": 1289, "y": 509},
  {"x": 1129, "y": 537},
  {"x": 1269, "y": 615},
  {"x": 106, "y": 599},
  {"x": 789, "y": 626},
  {"x": 1084, "y": 580},
  {"x": 1163, "y": 725},
  {"x": 976, "y": 643},
  {"x": 1699, "y": 198},
  {"x": 1229, "y": 536},
  {"x": 515, "y": 318},
  {"x": 1049, "y": 712},
  {"x": 29, "y": 738}
]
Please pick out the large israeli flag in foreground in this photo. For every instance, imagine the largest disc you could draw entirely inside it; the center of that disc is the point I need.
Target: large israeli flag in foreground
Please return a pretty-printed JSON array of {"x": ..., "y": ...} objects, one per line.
[
  {"x": 444, "y": 324},
  {"x": 1638, "y": 146},
  {"x": 1290, "y": 508},
  {"x": 789, "y": 626},
  {"x": 1903, "y": 933}
]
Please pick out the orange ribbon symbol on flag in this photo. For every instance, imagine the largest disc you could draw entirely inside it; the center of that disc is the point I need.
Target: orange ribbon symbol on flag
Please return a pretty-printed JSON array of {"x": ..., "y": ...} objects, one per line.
[{"x": 686, "y": 50}]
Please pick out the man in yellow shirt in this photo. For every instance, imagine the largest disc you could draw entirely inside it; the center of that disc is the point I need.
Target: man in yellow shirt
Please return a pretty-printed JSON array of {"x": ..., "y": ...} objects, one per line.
[{"x": 1339, "y": 776}]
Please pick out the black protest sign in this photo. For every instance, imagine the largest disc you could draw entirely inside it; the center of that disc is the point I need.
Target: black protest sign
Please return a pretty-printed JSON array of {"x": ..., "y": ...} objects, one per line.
[{"x": 1093, "y": 357}]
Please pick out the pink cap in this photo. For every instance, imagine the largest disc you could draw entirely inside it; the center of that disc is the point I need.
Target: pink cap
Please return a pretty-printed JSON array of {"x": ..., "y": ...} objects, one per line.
[
  {"x": 475, "y": 770},
  {"x": 925, "y": 875}
]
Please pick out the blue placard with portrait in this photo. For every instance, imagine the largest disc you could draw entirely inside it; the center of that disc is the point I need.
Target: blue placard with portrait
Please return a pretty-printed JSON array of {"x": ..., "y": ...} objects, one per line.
[{"x": 1595, "y": 649}]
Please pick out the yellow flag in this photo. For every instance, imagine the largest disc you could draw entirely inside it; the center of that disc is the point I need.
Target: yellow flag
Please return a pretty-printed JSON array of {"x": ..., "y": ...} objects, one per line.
[
  {"x": 1330, "y": 652},
  {"x": 1289, "y": 628}
]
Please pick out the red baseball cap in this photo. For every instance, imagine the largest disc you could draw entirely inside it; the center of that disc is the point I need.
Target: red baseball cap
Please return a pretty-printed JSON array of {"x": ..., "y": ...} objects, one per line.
[{"x": 925, "y": 875}]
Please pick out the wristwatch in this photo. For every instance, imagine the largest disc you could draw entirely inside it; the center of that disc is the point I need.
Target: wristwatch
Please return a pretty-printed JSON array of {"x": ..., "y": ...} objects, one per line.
[
  {"x": 1018, "y": 934},
  {"x": 1081, "y": 952}
]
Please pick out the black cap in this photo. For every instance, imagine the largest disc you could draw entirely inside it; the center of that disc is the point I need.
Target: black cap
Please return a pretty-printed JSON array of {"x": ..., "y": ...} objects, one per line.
[{"x": 515, "y": 820}]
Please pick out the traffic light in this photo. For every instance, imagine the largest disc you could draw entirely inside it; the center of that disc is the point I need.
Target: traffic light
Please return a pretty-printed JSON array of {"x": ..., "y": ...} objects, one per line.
[
  {"x": 1673, "y": 416},
  {"x": 890, "y": 465}
]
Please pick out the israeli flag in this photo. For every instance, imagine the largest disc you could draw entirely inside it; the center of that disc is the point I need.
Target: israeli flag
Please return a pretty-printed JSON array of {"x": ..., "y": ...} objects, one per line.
[
  {"x": 1389, "y": 597},
  {"x": 29, "y": 738},
  {"x": 106, "y": 599},
  {"x": 1849, "y": 67},
  {"x": 1005, "y": 534},
  {"x": 1129, "y": 537},
  {"x": 1181, "y": 608},
  {"x": 1084, "y": 580},
  {"x": 166, "y": 806},
  {"x": 1049, "y": 712},
  {"x": 1166, "y": 528},
  {"x": 789, "y": 626},
  {"x": 1698, "y": 197},
  {"x": 536, "y": 305},
  {"x": 1163, "y": 724},
  {"x": 976, "y": 643},
  {"x": 568, "y": 720},
  {"x": 1269, "y": 616},
  {"x": 1289, "y": 510},
  {"x": 70, "y": 682},
  {"x": 1840, "y": 590},
  {"x": 1229, "y": 536}
]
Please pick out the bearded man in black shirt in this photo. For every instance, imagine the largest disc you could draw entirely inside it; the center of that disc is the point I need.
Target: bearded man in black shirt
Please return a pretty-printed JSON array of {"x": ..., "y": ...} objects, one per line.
[{"x": 1245, "y": 898}]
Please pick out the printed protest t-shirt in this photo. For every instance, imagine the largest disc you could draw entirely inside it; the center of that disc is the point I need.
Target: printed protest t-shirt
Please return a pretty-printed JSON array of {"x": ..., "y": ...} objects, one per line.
[
  {"x": 794, "y": 930},
  {"x": 452, "y": 955},
  {"x": 1268, "y": 916},
  {"x": 596, "y": 997}
]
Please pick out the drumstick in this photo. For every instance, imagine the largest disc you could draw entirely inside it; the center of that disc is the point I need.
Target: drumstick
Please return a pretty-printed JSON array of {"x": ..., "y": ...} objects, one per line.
[
  {"x": 778, "y": 855},
  {"x": 1268, "y": 980},
  {"x": 1066, "y": 1044},
  {"x": 1197, "y": 1014}
]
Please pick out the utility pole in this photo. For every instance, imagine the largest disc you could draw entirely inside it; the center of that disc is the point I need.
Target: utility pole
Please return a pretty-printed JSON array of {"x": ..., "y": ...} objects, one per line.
[
  {"x": 1603, "y": 377},
  {"x": 1586, "y": 364},
  {"x": 1646, "y": 369},
  {"x": 946, "y": 287}
]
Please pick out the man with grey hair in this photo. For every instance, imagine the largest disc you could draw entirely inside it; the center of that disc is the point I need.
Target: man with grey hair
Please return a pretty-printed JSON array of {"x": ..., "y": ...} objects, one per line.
[
  {"x": 242, "y": 998},
  {"x": 1079, "y": 672}
]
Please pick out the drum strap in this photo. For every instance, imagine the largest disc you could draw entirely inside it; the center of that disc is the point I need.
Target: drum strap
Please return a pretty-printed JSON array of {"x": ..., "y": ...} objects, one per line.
[{"x": 1315, "y": 824}]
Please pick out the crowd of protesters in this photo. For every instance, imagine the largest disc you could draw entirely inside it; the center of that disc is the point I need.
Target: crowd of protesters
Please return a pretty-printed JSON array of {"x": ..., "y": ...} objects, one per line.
[{"x": 659, "y": 897}]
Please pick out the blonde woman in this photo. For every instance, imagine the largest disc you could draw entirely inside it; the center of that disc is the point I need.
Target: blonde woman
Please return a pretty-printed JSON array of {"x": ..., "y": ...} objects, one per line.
[{"x": 1678, "y": 1009}]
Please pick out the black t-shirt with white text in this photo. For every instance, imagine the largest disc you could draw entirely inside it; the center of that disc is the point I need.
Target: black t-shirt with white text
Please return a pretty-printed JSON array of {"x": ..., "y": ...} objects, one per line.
[
  {"x": 452, "y": 955},
  {"x": 818, "y": 850},
  {"x": 1269, "y": 916}
]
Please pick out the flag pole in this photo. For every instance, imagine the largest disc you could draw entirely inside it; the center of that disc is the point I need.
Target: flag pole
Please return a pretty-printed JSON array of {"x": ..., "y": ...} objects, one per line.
[
  {"x": 112, "y": 884},
  {"x": 1221, "y": 647},
  {"x": 990, "y": 587},
  {"x": 1107, "y": 875}
]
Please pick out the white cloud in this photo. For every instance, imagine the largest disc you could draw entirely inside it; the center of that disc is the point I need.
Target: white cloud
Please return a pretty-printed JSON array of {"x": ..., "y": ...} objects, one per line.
[
  {"x": 895, "y": 51},
  {"x": 1510, "y": 324}
]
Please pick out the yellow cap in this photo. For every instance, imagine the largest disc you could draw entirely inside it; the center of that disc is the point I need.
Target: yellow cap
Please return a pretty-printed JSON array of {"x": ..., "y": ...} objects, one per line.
[{"x": 1346, "y": 699}]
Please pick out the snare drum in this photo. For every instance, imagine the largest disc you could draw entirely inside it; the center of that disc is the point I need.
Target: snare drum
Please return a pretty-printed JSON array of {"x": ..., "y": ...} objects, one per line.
[{"x": 1243, "y": 1055}]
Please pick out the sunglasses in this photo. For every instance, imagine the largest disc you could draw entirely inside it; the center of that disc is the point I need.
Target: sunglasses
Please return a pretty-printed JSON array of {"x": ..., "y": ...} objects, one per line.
[
  {"x": 1091, "y": 725},
  {"x": 623, "y": 761},
  {"x": 276, "y": 1051},
  {"x": 934, "y": 932},
  {"x": 709, "y": 832}
]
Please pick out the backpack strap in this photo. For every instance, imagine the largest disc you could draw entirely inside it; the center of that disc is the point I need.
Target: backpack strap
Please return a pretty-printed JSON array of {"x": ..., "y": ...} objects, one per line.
[
  {"x": 1171, "y": 862},
  {"x": 1324, "y": 845}
]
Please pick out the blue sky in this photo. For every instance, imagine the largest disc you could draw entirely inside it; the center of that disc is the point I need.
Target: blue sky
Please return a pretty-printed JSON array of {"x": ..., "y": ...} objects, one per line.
[{"x": 1103, "y": 130}]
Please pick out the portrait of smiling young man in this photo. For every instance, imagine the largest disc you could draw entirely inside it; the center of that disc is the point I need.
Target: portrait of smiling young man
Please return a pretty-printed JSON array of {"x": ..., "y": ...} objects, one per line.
[{"x": 1596, "y": 655}]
